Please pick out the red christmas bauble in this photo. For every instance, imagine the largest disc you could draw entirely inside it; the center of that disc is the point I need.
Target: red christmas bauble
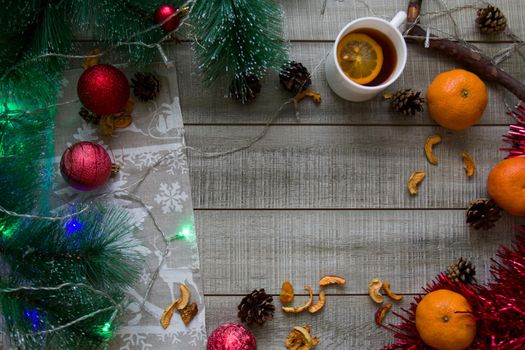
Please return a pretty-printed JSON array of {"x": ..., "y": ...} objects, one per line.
[
  {"x": 85, "y": 166},
  {"x": 231, "y": 336},
  {"x": 163, "y": 13},
  {"x": 103, "y": 89}
]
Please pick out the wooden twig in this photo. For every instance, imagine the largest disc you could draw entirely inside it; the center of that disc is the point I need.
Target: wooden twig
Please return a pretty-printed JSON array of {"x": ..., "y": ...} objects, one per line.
[
  {"x": 413, "y": 11},
  {"x": 473, "y": 61}
]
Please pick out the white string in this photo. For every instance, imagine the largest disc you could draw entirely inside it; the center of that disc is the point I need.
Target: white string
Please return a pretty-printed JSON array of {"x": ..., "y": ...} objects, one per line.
[
  {"x": 80, "y": 319},
  {"x": 250, "y": 142},
  {"x": 118, "y": 44},
  {"x": 116, "y": 306},
  {"x": 37, "y": 217}
]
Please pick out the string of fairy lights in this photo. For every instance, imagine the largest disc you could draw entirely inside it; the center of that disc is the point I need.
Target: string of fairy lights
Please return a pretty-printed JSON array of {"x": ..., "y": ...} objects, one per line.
[{"x": 10, "y": 110}]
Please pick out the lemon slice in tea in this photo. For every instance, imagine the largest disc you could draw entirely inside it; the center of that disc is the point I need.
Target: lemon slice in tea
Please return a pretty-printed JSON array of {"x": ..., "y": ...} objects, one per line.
[{"x": 360, "y": 57}]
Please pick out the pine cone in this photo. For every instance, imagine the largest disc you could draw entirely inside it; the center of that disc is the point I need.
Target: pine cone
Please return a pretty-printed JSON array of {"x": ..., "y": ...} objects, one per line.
[
  {"x": 295, "y": 77},
  {"x": 146, "y": 86},
  {"x": 89, "y": 116},
  {"x": 256, "y": 307},
  {"x": 491, "y": 20},
  {"x": 483, "y": 214},
  {"x": 407, "y": 102},
  {"x": 463, "y": 271},
  {"x": 245, "y": 92}
]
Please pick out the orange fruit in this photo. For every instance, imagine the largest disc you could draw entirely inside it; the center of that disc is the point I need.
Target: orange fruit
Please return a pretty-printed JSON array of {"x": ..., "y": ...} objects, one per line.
[
  {"x": 506, "y": 185},
  {"x": 360, "y": 57},
  {"x": 457, "y": 99},
  {"x": 442, "y": 322}
]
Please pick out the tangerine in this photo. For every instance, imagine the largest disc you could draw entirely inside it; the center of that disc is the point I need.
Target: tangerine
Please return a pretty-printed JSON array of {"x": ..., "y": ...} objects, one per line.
[
  {"x": 457, "y": 99},
  {"x": 444, "y": 322},
  {"x": 360, "y": 57},
  {"x": 506, "y": 185}
]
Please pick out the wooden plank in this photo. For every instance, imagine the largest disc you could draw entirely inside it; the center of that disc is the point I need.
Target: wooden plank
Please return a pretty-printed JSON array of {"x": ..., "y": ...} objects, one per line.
[
  {"x": 305, "y": 21},
  {"x": 337, "y": 166},
  {"x": 346, "y": 323},
  {"x": 210, "y": 106},
  {"x": 244, "y": 249}
]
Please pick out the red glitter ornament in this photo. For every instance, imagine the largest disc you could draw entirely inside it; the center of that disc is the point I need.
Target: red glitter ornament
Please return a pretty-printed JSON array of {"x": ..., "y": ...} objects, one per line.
[
  {"x": 231, "y": 336},
  {"x": 103, "y": 89},
  {"x": 163, "y": 13},
  {"x": 85, "y": 166}
]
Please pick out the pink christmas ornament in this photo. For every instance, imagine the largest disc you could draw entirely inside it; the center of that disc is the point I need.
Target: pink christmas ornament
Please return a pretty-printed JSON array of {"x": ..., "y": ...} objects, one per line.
[
  {"x": 231, "y": 336},
  {"x": 85, "y": 166}
]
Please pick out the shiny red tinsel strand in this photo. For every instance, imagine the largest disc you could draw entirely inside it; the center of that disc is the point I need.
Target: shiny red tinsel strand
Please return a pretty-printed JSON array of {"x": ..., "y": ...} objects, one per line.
[
  {"x": 499, "y": 307},
  {"x": 516, "y": 135}
]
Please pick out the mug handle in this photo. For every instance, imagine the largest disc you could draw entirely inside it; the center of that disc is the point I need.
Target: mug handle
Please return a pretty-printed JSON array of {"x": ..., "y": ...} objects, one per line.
[{"x": 398, "y": 19}]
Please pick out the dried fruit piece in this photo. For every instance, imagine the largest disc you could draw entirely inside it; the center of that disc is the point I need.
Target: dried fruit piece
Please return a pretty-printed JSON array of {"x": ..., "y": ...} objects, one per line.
[
  {"x": 299, "y": 309},
  {"x": 381, "y": 313},
  {"x": 165, "y": 319},
  {"x": 331, "y": 279},
  {"x": 107, "y": 125},
  {"x": 415, "y": 179},
  {"x": 314, "y": 95},
  {"x": 300, "y": 339},
  {"x": 388, "y": 291},
  {"x": 188, "y": 313},
  {"x": 92, "y": 59},
  {"x": 184, "y": 299},
  {"x": 374, "y": 290},
  {"x": 122, "y": 121},
  {"x": 286, "y": 296},
  {"x": 470, "y": 166},
  {"x": 431, "y": 142},
  {"x": 319, "y": 305},
  {"x": 179, "y": 304}
]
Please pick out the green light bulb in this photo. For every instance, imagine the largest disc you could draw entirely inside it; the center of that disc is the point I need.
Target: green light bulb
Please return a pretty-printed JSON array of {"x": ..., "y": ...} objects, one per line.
[{"x": 185, "y": 233}]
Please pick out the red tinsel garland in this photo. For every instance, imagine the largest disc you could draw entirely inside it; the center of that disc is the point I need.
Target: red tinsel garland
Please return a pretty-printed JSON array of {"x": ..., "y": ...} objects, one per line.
[
  {"x": 516, "y": 135},
  {"x": 499, "y": 307}
]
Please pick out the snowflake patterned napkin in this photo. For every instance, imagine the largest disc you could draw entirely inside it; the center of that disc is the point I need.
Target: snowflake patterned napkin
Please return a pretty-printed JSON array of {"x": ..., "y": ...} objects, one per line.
[{"x": 152, "y": 148}]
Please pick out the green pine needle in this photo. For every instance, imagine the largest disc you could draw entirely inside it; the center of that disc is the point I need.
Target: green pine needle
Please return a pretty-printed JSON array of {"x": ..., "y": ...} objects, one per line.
[
  {"x": 94, "y": 248},
  {"x": 234, "y": 39},
  {"x": 91, "y": 255}
]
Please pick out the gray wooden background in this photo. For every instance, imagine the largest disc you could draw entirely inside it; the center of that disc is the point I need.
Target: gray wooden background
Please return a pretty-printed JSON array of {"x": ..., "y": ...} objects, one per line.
[{"x": 327, "y": 194}]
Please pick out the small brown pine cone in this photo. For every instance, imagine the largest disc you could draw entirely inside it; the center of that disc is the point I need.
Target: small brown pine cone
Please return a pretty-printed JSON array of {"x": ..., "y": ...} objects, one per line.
[
  {"x": 146, "y": 86},
  {"x": 483, "y": 214},
  {"x": 256, "y": 307},
  {"x": 491, "y": 20},
  {"x": 463, "y": 271},
  {"x": 407, "y": 102},
  {"x": 89, "y": 116},
  {"x": 295, "y": 77},
  {"x": 245, "y": 89}
]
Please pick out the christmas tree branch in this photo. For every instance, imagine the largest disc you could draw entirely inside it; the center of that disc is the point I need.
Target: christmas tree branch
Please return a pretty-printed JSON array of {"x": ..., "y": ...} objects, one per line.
[
  {"x": 474, "y": 61},
  {"x": 238, "y": 40}
]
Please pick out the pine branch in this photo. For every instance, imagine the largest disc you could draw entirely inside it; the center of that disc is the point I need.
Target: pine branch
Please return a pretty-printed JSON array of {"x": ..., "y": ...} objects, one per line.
[
  {"x": 235, "y": 39},
  {"x": 94, "y": 246},
  {"x": 44, "y": 254}
]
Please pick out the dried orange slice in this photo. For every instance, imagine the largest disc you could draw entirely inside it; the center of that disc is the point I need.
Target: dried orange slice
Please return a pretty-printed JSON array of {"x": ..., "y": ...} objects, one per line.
[{"x": 360, "y": 57}]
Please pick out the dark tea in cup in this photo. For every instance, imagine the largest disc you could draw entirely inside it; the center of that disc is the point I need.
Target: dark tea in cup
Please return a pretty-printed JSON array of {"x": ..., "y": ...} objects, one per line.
[{"x": 367, "y": 56}]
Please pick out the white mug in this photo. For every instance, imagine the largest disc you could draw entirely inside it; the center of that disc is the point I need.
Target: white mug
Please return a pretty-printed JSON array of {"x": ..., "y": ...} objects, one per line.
[{"x": 344, "y": 86}]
